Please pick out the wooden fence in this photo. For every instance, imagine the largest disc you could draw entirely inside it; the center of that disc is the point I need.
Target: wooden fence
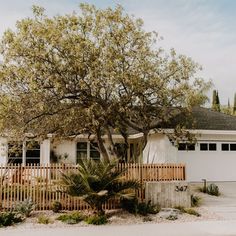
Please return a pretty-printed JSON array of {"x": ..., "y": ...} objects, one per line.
[{"x": 41, "y": 183}]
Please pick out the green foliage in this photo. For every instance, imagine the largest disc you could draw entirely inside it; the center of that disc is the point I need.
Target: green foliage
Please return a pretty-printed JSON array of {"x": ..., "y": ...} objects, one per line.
[
  {"x": 215, "y": 101},
  {"x": 42, "y": 219},
  {"x": 134, "y": 207},
  {"x": 88, "y": 72},
  {"x": 9, "y": 218},
  {"x": 172, "y": 217},
  {"x": 213, "y": 189},
  {"x": 97, "y": 220},
  {"x": 195, "y": 200},
  {"x": 189, "y": 211},
  {"x": 130, "y": 205},
  {"x": 147, "y": 219},
  {"x": 147, "y": 208},
  {"x": 97, "y": 181},
  {"x": 25, "y": 208},
  {"x": 72, "y": 218},
  {"x": 56, "y": 206}
]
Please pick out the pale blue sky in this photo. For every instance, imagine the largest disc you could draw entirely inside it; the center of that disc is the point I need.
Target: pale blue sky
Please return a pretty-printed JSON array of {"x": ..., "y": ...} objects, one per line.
[{"x": 202, "y": 29}]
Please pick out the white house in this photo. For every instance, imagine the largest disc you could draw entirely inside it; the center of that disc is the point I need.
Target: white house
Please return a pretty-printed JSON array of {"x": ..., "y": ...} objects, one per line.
[{"x": 213, "y": 157}]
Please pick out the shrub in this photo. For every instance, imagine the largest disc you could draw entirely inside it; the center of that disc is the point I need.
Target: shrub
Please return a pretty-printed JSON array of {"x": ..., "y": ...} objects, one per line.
[
  {"x": 180, "y": 208},
  {"x": 97, "y": 220},
  {"x": 147, "y": 219},
  {"x": 130, "y": 205},
  {"x": 9, "y": 218},
  {"x": 98, "y": 181},
  {"x": 213, "y": 189},
  {"x": 147, "y": 208},
  {"x": 172, "y": 217},
  {"x": 195, "y": 201},
  {"x": 56, "y": 207},
  {"x": 191, "y": 212},
  {"x": 73, "y": 218},
  {"x": 25, "y": 208},
  {"x": 42, "y": 219}
]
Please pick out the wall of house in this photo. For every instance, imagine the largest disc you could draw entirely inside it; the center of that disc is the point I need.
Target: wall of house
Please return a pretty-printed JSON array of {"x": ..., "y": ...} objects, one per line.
[
  {"x": 210, "y": 165},
  {"x": 65, "y": 150},
  {"x": 159, "y": 150},
  {"x": 45, "y": 147},
  {"x": 3, "y": 150}
]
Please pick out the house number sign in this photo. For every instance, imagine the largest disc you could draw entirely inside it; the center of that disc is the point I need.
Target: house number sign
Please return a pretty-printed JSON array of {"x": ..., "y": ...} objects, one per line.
[{"x": 181, "y": 188}]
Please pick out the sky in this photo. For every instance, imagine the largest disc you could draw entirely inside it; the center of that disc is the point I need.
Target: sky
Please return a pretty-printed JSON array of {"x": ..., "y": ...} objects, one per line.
[{"x": 205, "y": 30}]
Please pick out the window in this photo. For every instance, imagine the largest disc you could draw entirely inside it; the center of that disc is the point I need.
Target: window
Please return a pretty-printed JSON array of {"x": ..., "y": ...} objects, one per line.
[
  {"x": 233, "y": 147},
  {"x": 186, "y": 146},
  {"x": 182, "y": 147},
  {"x": 87, "y": 150},
  {"x": 208, "y": 147},
  {"x": 32, "y": 152},
  {"x": 225, "y": 147},
  {"x": 191, "y": 147},
  {"x": 15, "y": 152},
  {"x": 94, "y": 153},
  {"x": 203, "y": 146},
  {"x": 81, "y": 150},
  {"x": 212, "y": 146}
]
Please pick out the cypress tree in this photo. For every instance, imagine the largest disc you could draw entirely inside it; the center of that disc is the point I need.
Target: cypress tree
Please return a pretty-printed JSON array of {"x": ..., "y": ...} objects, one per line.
[
  {"x": 214, "y": 100},
  {"x": 234, "y": 107},
  {"x": 217, "y": 102}
]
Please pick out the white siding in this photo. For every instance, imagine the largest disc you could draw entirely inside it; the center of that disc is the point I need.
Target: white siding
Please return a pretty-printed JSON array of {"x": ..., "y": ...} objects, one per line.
[
  {"x": 3, "y": 150},
  {"x": 66, "y": 148},
  {"x": 211, "y": 165},
  {"x": 159, "y": 150}
]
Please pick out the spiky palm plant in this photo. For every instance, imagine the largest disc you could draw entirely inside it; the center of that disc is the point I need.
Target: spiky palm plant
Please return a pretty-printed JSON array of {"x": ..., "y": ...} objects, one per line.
[{"x": 97, "y": 182}]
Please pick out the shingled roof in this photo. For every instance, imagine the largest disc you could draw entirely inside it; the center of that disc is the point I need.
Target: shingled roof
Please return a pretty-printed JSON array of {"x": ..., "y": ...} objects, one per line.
[
  {"x": 207, "y": 119},
  {"x": 201, "y": 118}
]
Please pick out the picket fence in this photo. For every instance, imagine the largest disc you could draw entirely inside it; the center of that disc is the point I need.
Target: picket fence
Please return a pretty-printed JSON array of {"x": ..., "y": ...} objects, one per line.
[{"x": 41, "y": 183}]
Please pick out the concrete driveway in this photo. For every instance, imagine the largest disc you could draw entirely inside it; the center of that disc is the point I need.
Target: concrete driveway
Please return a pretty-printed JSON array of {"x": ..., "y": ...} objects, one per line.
[
  {"x": 207, "y": 228},
  {"x": 225, "y": 204}
]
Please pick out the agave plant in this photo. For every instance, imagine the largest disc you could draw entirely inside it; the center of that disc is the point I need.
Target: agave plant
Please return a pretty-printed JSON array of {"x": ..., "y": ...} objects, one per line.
[{"x": 97, "y": 182}]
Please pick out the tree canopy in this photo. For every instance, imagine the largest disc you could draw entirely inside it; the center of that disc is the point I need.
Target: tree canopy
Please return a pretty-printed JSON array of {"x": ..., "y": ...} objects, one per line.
[{"x": 93, "y": 72}]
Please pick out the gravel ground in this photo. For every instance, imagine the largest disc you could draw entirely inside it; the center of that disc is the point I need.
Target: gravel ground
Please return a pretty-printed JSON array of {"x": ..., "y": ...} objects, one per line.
[{"x": 116, "y": 217}]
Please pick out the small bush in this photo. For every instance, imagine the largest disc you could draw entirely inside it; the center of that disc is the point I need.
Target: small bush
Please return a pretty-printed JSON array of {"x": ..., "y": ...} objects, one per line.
[
  {"x": 146, "y": 208},
  {"x": 187, "y": 210},
  {"x": 213, "y": 189},
  {"x": 130, "y": 205},
  {"x": 195, "y": 201},
  {"x": 97, "y": 220},
  {"x": 180, "y": 208},
  {"x": 73, "y": 218},
  {"x": 56, "y": 207},
  {"x": 147, "y": 219},
  {"x": 42, "y": 219},
  {"x": 191, "y": 212},
  {"x": 25, "y": 208},
  {"x": 9, "y": 218},
  {"x": 172, "y": 217}
]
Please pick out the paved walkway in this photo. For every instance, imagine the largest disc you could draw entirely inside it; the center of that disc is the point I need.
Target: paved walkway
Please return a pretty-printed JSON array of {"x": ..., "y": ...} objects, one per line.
[
  {"x": 225, "y": 204},
  {"x": 210, "y": 228}
]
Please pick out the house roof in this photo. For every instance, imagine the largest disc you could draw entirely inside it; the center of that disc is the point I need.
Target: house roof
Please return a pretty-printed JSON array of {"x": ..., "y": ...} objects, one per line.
[
  {"x": 201, "y": 118},
  {"x": 205, "y": 119}
]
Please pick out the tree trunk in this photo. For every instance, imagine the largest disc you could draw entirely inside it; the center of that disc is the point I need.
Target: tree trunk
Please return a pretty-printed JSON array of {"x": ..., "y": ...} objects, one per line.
[{"x": 101, "y": 146}]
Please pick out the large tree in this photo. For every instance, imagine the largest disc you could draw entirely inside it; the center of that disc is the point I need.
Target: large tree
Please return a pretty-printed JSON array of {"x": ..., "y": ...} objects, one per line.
[{"x": 95, "y": 72}]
